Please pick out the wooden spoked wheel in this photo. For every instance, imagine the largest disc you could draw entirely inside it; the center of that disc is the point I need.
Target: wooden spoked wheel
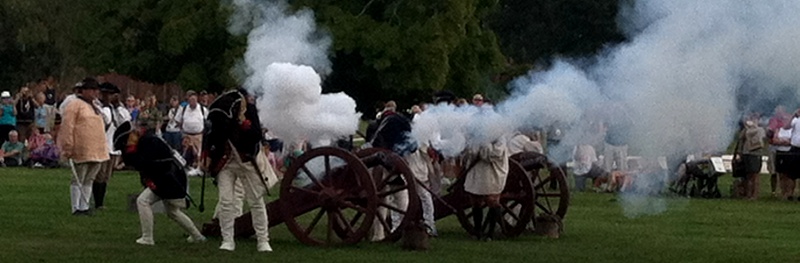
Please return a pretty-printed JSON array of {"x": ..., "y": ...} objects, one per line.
[
  {"x": 394, "y": 181},
  {"x": 328, "y": 198},
  {"x": 517, "y": 202},
  {"x": 549, "y": 182}
]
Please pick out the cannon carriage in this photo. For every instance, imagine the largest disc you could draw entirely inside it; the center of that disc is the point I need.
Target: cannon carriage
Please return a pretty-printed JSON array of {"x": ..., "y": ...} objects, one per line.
[{"x": 330, "y": 196}]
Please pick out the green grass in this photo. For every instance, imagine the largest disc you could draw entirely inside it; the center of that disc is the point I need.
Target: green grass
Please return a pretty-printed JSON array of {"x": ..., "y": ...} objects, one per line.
[{"x": 36, "y": 226}]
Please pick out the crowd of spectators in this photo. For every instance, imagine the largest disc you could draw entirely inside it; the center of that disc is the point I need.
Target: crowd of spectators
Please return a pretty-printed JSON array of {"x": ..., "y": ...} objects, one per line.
[{"x": 31, "y": 116}]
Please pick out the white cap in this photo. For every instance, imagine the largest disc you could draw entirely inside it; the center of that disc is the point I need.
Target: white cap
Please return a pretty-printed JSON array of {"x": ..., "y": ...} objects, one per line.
[{"x": 5, "y": 94}]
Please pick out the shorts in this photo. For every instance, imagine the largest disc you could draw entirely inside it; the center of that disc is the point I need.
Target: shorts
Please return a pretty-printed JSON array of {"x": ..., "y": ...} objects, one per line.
[{"x": 752, "y": 163}]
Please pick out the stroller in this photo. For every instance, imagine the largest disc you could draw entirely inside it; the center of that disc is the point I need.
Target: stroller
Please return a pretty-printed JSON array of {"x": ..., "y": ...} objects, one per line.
[{"x": 697, "y": 178}]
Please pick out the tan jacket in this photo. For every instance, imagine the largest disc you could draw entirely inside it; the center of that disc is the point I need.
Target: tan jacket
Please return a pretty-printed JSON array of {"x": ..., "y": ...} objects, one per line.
[
  {"x": 488, "y": 176},
  {"x": 82, "y": 135}
]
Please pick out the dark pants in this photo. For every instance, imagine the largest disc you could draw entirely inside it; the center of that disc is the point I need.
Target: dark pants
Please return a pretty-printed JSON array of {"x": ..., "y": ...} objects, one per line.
[
  {"x": 173, "y": 139},
  {"x": 11, "y": 162}
]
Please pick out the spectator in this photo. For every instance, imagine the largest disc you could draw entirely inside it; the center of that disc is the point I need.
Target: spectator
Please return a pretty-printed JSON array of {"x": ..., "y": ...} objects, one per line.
[
  {"x": 8, "y": 115},
  {"x": 191, "y": 120},
  {"x": 204, "y": 99},
  {"x": 776, "y": 122},
  {"x": 46, "y": 155},
  {"x": 81, "y": 141},
  {"x": 36, "y": 140},
  {"x": 617, "y": 126},
  {"x": 477, "y": 100},
  {"x": 11, "y": 151},
  {"x": 781, "y": 144},
  {"x": 25, "y": 112},
  {"x": 132, "y": 107},
  {"x": 753, "y": 138},
  {"x": 150, "y": 116},
  {"x": 44, "y": 114},
  {"x": 172, "y": 133},
  {"x": 50, "y": 91},
  {"x": 461, "y": 102}
]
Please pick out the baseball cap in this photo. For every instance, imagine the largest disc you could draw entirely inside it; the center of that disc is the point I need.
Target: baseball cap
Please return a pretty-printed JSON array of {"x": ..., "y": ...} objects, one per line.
[{"x": 5, "y": 94}]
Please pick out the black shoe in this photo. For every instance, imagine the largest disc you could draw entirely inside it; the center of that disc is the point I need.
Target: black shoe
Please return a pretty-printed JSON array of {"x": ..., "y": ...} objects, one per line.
[{"x": 82, "y": 213}]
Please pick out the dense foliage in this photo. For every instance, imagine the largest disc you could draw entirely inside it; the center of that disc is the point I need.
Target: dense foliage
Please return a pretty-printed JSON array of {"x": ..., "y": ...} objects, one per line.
[{"x": 382, "y": 49}]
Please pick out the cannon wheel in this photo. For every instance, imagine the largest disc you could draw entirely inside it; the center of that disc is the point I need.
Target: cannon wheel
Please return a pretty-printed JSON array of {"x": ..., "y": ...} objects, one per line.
[
  {"x": 342, "y": 179},
  {"x": 548, "y": 201},
  {"x": 395, "y": 165},
  {"x": 517, "y": 200}
]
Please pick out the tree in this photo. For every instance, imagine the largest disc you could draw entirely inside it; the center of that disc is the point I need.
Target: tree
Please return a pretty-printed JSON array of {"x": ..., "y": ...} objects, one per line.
[
  {"x": 535, "y": 31},
  {"x": 161, "y": 41},
  {"x": 406, "y": 50}
]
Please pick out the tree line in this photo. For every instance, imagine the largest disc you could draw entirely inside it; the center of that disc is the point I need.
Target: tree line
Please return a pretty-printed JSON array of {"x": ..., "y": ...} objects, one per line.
[{"x": 383, "y": 49}]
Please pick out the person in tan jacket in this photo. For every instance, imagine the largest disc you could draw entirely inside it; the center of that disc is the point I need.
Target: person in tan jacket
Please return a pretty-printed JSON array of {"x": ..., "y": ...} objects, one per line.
[
  {"x": 484, "y": 182},
  {"x": 82, "y": 142}
]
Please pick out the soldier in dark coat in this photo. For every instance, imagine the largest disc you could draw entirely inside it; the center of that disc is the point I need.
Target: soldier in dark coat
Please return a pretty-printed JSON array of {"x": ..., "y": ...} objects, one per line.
[
  {"x": 233, "y": 146},
  {"x": 162, "y": 175}
]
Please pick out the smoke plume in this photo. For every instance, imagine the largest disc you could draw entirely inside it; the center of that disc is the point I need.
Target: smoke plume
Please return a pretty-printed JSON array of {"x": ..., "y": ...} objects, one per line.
[
  {"x": 285, "y": 58},
  {"x": 680, "y": 80}
]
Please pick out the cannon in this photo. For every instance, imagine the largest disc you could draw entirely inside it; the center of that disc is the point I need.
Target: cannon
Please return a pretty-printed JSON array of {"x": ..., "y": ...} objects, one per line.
[
  {"x": 526, "y": 195},
  {"x": 330, "y": 196}
]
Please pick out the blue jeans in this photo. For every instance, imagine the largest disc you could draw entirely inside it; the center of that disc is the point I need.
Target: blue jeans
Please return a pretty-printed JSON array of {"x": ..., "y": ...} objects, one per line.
[{"x": 173, "y": 139}]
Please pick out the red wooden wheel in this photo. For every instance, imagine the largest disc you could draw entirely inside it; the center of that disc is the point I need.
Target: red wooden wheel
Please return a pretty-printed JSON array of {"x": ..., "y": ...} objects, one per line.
[
  {"x": 550, "y": 183},
  {"x": 393, "y": 179},
  {"x": 328, "y": 198},
  {"x": 517, "y": 202}
]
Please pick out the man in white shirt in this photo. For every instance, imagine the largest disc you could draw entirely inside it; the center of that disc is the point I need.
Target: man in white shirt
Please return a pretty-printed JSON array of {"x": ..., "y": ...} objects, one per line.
[{"x": 191, "y": 120}]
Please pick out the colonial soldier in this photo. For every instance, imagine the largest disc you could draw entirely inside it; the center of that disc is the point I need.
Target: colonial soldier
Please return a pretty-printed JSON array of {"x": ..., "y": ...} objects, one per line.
[
  {"x": 485, "y": 181},
  {"x": 233, "y": 146},
  {"x": 164, "y": 179},
  {"x": 392, "y": 134},
  {"x": 114, "y": 115}
]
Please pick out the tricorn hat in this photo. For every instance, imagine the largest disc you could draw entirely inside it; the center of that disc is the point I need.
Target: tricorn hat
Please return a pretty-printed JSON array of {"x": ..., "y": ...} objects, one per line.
[{"x": 109, "y": 88}]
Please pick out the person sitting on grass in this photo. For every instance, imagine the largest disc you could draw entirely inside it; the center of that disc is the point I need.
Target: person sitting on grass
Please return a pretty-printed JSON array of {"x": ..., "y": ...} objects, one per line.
[
  {"x": 46, "y": 155},
  {"x": 36, "y": 140},
  {"x": 11, "y": 151},
  {"x": 190, "y": 153}
]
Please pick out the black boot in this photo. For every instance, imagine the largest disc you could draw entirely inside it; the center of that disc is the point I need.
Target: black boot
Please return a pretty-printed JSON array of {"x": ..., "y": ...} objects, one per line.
[
  {"x": 99, "y": 192},
  {"x": 492, "y": 217},
  {"x": 477, "y": 219}
]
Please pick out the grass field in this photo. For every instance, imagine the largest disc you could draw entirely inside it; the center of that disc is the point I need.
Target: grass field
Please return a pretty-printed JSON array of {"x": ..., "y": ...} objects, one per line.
[{"x": 36, "y": 226}]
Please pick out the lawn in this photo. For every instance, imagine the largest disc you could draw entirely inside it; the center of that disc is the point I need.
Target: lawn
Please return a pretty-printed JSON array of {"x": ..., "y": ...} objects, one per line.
[{"x": 36, "y": 226}]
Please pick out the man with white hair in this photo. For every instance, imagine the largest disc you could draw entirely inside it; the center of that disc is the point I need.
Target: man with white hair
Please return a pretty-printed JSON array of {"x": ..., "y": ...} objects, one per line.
[
  {"x": 191, "y": 120},
  {"x": 11, "y": 151}
]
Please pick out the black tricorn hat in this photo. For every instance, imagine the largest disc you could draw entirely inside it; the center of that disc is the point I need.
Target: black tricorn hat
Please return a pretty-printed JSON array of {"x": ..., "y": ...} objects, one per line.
[
  {"x": 89, "y": 83},
  {"x": 109, "y": 88},
  {"x": 444, "y": 96}
]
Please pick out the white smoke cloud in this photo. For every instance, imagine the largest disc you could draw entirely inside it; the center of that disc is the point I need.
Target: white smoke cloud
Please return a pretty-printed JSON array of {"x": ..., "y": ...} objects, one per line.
[
  {"x": 676, "y": 78},
  {"x": 285, "y": 58}
]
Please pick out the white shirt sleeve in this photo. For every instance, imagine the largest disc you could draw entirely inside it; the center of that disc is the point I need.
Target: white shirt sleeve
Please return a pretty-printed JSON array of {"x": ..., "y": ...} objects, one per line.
[{"x": 124, "y": 113}]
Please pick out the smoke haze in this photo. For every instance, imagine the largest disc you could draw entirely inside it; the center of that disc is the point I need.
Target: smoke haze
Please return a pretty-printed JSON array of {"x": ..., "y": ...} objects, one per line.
[
  {"x": 678, "y": 79},
  {"x": 285, "y": 59}
]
